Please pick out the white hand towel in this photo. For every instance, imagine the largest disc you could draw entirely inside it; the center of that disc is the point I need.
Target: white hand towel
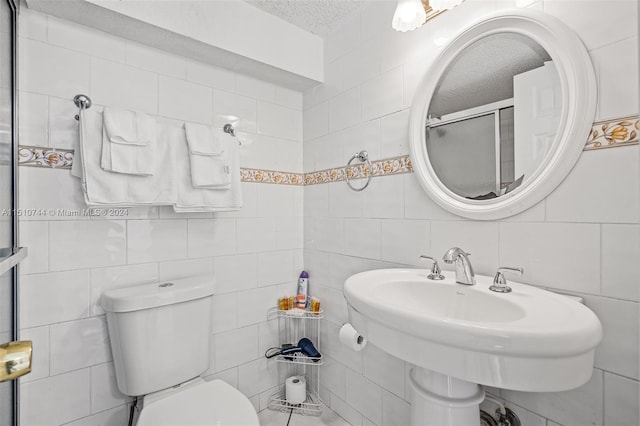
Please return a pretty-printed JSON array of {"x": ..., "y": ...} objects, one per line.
[
  {"x": 208, "y": 157},
  {"x": 192, "y": 199},
  {"x": 210, "y": 172},
  {"x": 204, "y": 140},
  {"x": 116, "y": 189},
  {"x": 128, "y": 143},
  {"x": 129, "y": 127}
]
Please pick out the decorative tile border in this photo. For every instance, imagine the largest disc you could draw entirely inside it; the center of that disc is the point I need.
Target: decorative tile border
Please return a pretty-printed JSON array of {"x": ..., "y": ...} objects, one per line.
[
  {"x": 271, "y": 176},
  {"x": 36, "y": 156},
  {"x": 388, "y": 166},
  {"x": 613, "y": 133},
  {"x": 604, "y": 134}
]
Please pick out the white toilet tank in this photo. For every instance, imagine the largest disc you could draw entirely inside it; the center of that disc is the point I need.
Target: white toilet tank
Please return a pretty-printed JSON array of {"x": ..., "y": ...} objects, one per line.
[{"x": 159, "y": 333}]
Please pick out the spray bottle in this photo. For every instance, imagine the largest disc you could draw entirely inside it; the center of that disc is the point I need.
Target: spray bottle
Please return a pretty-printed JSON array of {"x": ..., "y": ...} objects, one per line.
[{"x": 303, "y": 290}]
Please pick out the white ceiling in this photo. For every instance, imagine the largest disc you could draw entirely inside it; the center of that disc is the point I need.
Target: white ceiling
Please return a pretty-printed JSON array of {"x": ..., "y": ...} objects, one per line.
[
  {"x": 316, "y": 16},
  {"x": 483, "y": 72}
]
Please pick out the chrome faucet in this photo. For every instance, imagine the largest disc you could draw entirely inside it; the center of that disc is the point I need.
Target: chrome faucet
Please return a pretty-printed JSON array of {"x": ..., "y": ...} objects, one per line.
[{"x": 464, "y": 270}]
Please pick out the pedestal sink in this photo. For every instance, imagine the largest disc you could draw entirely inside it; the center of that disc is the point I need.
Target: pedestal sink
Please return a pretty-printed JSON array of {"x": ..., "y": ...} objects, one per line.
[{"x": 460, "y": 337}]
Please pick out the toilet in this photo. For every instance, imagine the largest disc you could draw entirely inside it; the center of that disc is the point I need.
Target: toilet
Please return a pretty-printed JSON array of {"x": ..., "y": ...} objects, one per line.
[{"x": 160, "y": 339}]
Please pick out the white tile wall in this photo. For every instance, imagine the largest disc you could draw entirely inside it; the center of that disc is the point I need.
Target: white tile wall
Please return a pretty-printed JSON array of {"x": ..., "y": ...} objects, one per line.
[
  {"x": 617, "y": 82},
  {"x": 289, "y": 98},
  {"x": 104, "y": 392},
  {"x": 34, "y": 127},
  {"x": 224, "y": 312},
  {"x": 236, "y": 347},
  {"x": 72, "y": 244},
  {"x": 210, "y": 76},
  {"x": 383, "y": 200},
  {"x": 362, "y": 237},
  {"x": 68, "y": 352},
  {"x": 623, "y": 12},
  {"x": 382, "y": 95},
  {"x": 578, "y": 407},
  {"x": 316, "y": 121},
  {"x": 576, "y": 240},
  {"x": 51, "y": 70},
  {"x": 211, "y": 237},
  {"x": 235, "y": 109},
  {"x": 147, "y": 58},
  {"x": 391, "y": 377},
  {"x": 574, "y": 200},
  {"x": 583, "y": 238},
  {"x": 73, "y": 259},
  {"x": 619, "y": 350},
  {"x": 40, "y": 355},
  {"x": 56, "y": 399},
  {"x": 184, "y": 100},
  {"x": 35, "y": 235},
  {"x": 118, "y": 85},
  {"x": 365, "y": 396},
  {"x": 249, "y": 86},
  {"x": 395, "y": 411},
  {"x": 156, "y": 240},
  {"x": 345, "y": 110},
  {"x": 53, "y": 297},
  {"x": 362, "y": 64},
  {"x": 621, "y": 400},
  {"x": 62, "y": 133},
  {"x": 620, "y": 251}
]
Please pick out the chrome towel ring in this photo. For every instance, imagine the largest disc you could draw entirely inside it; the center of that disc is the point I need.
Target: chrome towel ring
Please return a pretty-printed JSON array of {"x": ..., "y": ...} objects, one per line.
[{"x": 362, "y": 156}]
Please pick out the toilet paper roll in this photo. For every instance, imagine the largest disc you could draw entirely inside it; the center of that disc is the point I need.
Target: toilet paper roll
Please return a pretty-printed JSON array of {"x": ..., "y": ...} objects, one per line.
[
  {"x": 349, "y": 337},
  {"x": 295, "y": 390}
]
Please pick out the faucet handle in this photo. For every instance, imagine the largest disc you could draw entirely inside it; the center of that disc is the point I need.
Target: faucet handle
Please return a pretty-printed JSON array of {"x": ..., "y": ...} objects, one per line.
[
  {"x": 436, "y": 273},
  {"x": 500, "y": 282}
]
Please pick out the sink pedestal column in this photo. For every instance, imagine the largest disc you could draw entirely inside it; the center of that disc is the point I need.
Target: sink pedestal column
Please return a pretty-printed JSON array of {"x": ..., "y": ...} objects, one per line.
[{"x": 439, "y": 400}]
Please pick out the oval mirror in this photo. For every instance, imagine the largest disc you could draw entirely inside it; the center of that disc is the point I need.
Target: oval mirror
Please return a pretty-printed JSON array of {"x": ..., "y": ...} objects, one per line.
[{"x": 502, "y": 115}]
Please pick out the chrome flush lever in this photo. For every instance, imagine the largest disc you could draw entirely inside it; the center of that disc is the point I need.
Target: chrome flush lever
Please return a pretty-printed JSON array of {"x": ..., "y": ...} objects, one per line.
[
  {"x": 500, "y": 282},
  {"x": 436, "y": 273}
]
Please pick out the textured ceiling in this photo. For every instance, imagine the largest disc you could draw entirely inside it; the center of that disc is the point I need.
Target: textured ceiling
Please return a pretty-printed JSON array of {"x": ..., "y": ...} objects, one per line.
[
  {"x": 483, "y": 72},
  {"x": 316, "y": 16}
]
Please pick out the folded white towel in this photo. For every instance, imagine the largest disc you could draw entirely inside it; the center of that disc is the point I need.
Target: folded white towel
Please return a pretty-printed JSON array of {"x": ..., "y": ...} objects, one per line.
[
  {"x": 208, "y": 157},
  {"x": 116, "y": 189},
  {"x": 129, "y": 127},
  {"x": 192, "y": 199},
  {"x": 204, "y": 140},
  {"x": 210, "y": 172},
  {"x": 128, "y": 142}
]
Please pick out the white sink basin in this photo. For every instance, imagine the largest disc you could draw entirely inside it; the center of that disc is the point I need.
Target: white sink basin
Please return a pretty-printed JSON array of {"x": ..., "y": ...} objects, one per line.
[{"x": 528, "y": 340}]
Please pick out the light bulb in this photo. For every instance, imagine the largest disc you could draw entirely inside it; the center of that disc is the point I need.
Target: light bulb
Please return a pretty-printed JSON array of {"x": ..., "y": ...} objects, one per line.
[{"x": 408, "y": 16}]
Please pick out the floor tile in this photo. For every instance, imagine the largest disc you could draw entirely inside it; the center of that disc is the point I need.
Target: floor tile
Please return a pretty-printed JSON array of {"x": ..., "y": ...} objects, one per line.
[{"x": 276, "y": 418}]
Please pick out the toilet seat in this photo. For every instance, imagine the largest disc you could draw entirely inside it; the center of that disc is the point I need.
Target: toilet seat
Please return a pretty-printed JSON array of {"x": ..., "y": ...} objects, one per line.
[{"x": 207, "y": 403}]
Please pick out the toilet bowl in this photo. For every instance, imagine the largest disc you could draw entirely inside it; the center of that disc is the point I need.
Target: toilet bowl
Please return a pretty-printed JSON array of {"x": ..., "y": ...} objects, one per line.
[
  {"x": 202, "y": 403},
  {"x": 160, "y": 339}
]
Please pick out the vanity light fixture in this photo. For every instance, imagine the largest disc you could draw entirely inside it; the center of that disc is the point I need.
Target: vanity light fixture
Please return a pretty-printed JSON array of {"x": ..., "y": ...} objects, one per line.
[
  {"x": 412, "y": 14},
  {"x": 409, "y": 15},
  {"x": 444, "y": 4}
]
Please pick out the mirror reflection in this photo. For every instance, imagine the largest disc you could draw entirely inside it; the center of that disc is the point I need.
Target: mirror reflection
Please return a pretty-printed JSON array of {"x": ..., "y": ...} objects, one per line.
[{"x": 494, "y": 116}]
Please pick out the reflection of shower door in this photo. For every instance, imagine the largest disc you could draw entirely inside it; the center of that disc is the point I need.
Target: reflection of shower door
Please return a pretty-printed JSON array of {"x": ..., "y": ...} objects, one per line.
[
  {"x": 463, "y": 155},
  {"x": 12, "y": 358}
]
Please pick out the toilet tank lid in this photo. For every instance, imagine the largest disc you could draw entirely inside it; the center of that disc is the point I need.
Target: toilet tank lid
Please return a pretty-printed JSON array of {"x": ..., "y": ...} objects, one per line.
[{"x": 146, "y": 296}]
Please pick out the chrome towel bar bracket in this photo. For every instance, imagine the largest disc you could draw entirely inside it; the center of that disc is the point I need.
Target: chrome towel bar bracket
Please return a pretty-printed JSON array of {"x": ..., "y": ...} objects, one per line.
[{"x": 82, "y": 102}]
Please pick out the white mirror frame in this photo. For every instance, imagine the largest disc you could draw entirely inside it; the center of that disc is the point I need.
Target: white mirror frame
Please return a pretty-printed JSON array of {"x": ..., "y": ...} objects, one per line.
[{"x": 579, "y": 95}]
